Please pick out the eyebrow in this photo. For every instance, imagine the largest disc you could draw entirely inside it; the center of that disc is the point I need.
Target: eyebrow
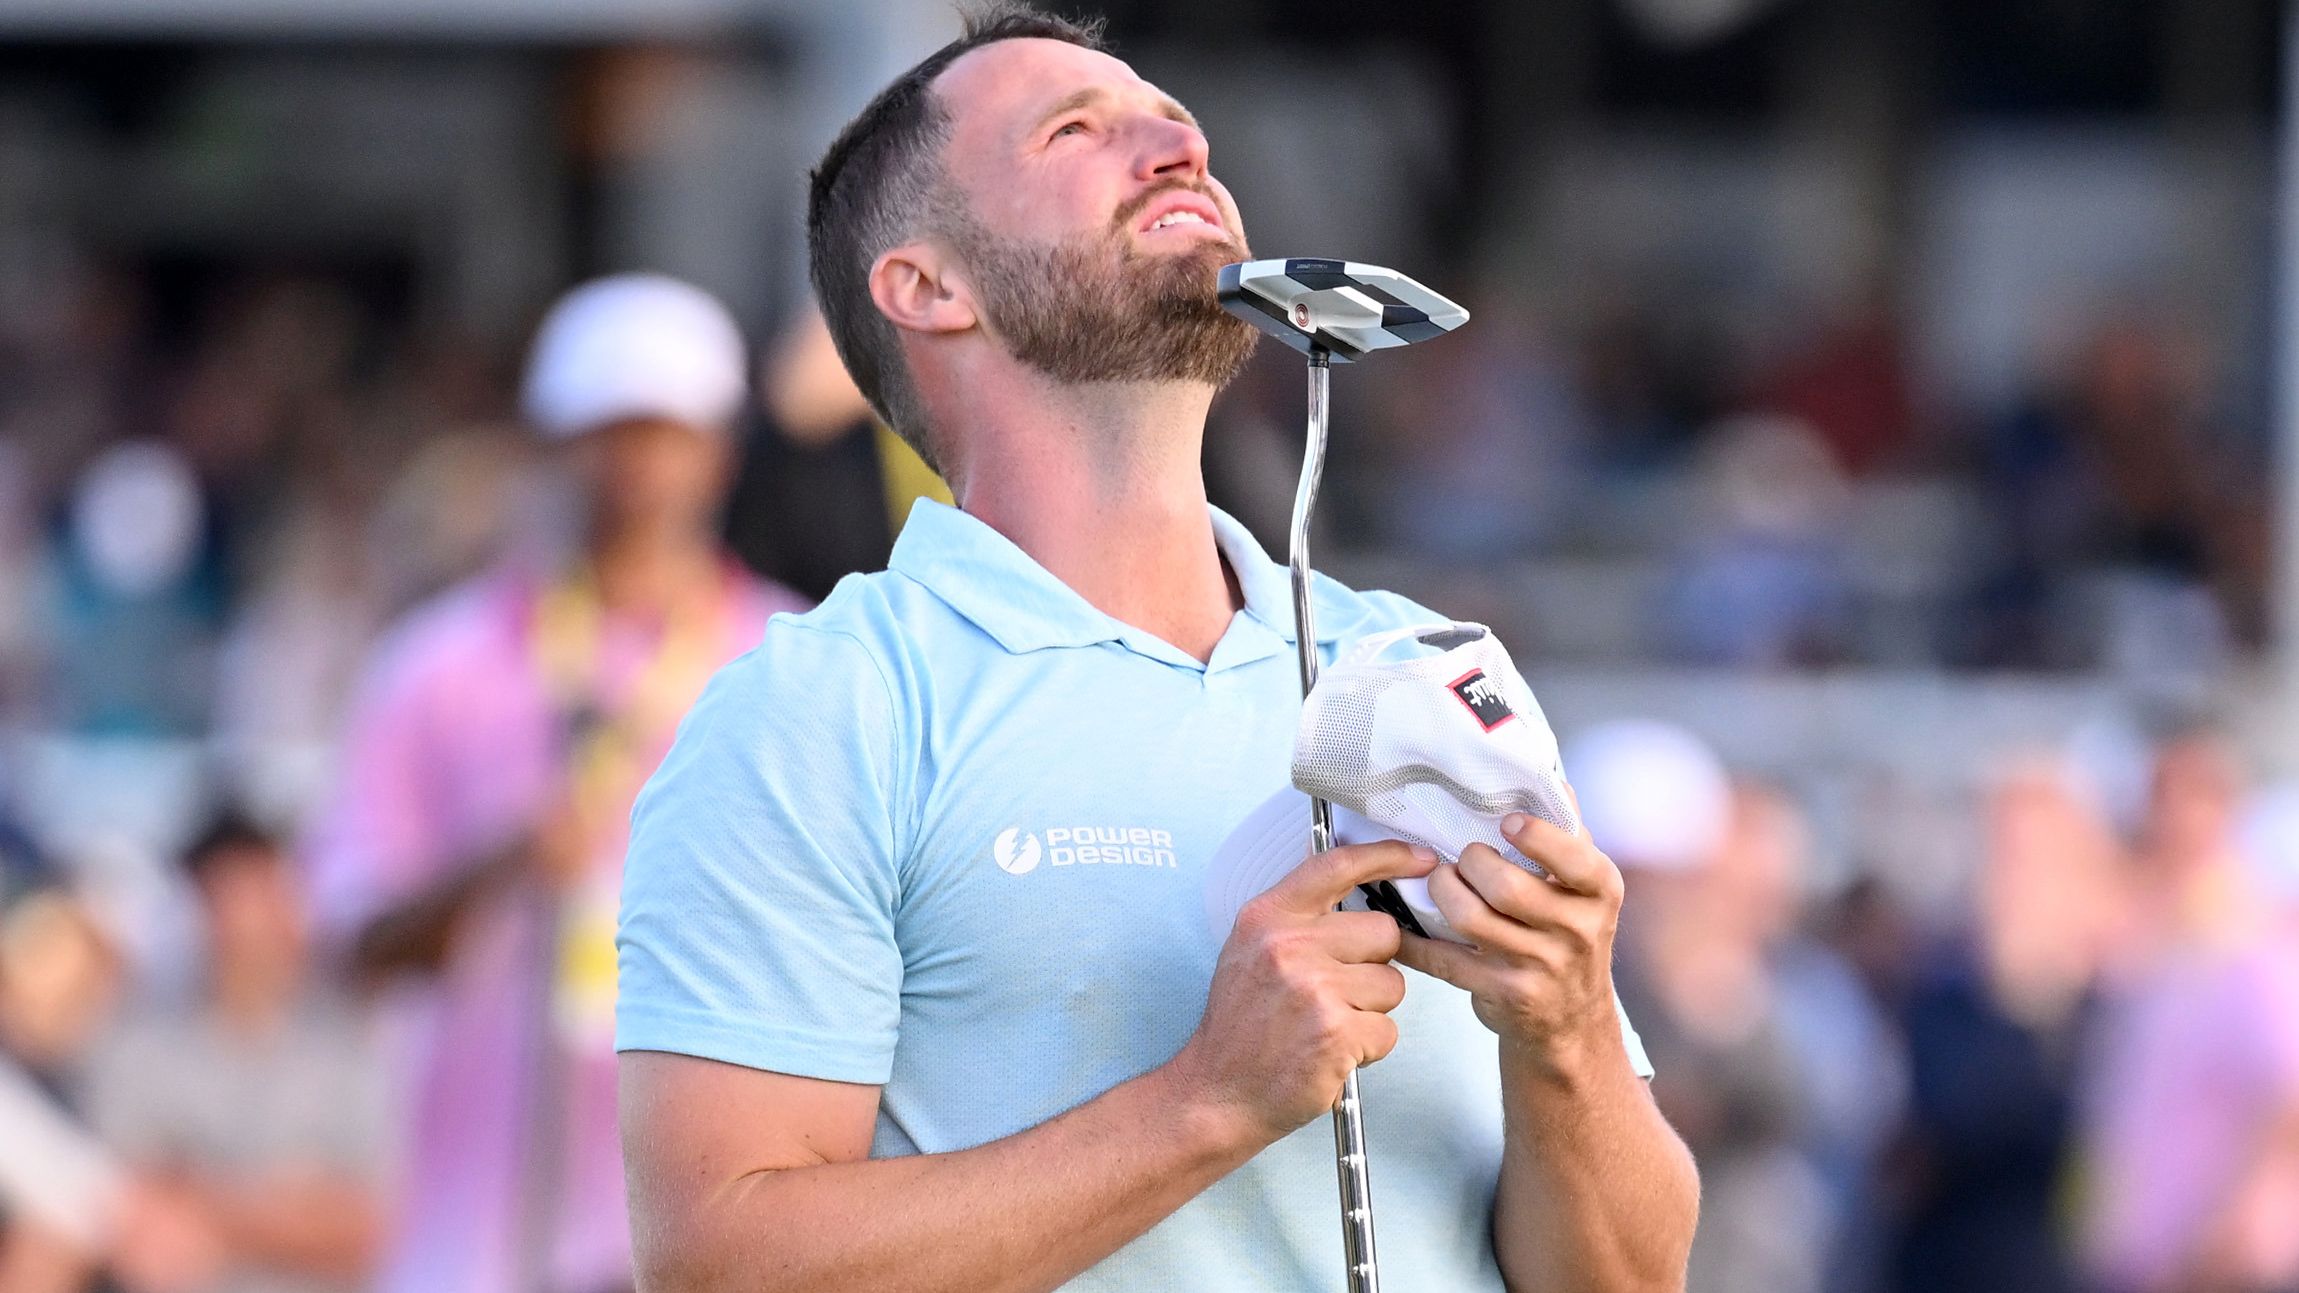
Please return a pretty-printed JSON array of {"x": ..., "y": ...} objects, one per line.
[{"x": 1167, "y": 108}]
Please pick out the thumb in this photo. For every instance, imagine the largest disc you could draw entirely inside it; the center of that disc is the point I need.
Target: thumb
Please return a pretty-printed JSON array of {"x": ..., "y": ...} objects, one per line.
[{"x": 1441, "y": 959}]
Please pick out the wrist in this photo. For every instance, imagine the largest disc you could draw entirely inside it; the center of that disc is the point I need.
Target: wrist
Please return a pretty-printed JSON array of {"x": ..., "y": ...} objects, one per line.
[
  {"x": 1201, "y": 1116},
  {"x": 1565, "y": 1061}
]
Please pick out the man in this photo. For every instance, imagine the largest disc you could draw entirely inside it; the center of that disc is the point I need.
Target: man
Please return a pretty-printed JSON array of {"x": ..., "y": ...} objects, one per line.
[
  {"x": 918, "y": 991},
  {"x": 2190, "y": 1134},
  {"x": 500, "y": 737},
  {"x": 283, "y": 1192}
]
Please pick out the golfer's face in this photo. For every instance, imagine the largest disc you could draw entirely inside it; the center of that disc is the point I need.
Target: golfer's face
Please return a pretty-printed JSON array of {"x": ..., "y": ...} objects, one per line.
[{"x": 1053, "y": 143}]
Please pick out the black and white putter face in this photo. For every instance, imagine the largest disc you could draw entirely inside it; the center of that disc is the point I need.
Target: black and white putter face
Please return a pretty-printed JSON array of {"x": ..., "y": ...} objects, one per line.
[{"x": 1338, "y": 306}]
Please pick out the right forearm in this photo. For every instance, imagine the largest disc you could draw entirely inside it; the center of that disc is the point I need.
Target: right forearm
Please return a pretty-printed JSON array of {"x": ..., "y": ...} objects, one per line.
[{"x": 1023, "y": 1213}]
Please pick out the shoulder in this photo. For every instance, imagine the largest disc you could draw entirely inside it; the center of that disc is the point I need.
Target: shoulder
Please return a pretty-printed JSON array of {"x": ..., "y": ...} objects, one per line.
[
  {"x": 441, "y": 639},
  {"x": 854, "y": 635},
  {"x": 1344, "y": 612},
  {"x": 839, "y": 675},
  {"x": 881, "y": 625}
]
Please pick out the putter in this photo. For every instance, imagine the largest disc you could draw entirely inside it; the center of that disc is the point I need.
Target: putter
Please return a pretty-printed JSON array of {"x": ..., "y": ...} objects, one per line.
[{"x": 1335, "y": 311}]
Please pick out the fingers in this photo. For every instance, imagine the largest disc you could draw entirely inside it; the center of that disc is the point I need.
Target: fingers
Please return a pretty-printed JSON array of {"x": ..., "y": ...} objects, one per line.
[
  {"x": 1374, "y": 1037},
  {"x": 1571, "y": 860},
  {"x": 1358, "y": 936},
  {"x": 1319, "y": 884},
  {"x": 1510, "y": 889},
  {"x": 1470, "y": 915},
  {"x": 1439, "y": 959},
  {"x": 1378, "y": 988}
]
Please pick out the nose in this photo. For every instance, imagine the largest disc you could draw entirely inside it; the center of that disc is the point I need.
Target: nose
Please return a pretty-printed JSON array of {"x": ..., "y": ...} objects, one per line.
[{"x": 1172, "y": 150}]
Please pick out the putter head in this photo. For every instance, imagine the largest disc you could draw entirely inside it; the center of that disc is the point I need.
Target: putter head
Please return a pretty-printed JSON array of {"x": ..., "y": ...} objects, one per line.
[{"x": 1337, "y": 306}]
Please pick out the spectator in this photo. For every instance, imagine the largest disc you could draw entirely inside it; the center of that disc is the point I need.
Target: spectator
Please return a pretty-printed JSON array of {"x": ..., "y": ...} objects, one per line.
[
  {"x": 1695, "y": 974},
  {"x": 260, "y": 1113},
  {"x": 2194, "y": 1133},
  {"x": 1762, "y": 582},
  {"x": 2116, "y": 464},
  {"x": 476, "y": 838},
  {"x": 1850, "y": 1065},
  {"x": 339, "y": 569},
  {"x": 823, "y": 487},
  {"x": 137, "y": 599},
  {"x": 1996, "y": 1026},
  {"x": 1481, "y": 445},
  {"x": 1850, "y": 383},
  {"x": 59, "y": 978}
]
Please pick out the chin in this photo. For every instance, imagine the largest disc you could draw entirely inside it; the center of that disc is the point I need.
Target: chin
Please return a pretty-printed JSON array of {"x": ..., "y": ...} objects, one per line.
[{"x": 1191, "y": 275}]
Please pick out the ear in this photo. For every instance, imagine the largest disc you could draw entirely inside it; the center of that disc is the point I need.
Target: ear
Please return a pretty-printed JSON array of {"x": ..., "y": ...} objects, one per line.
[{"x": 917, "y": 287}]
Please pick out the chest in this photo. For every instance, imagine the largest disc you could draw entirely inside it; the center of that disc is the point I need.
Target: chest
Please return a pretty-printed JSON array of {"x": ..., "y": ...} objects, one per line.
[{"x": 1068, "y": 814}]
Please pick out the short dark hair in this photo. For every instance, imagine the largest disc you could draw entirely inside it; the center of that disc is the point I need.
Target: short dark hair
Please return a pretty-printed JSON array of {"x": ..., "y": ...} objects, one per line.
[
  {"x": 229, "y": 831},
  {"x": 880, "y": 184}
]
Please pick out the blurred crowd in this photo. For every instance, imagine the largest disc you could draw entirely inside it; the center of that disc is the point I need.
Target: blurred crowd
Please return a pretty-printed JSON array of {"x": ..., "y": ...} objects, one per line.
[
  {"x": 1800, "y": 502},
  {"x": 262, "y": 523},
  {"x": 335, "y": 637},
  {"x": 2088, "y": 1078}
]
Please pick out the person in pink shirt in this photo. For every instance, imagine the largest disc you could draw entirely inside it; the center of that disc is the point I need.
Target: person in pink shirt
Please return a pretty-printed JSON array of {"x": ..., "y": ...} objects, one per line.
[
  {"x": 2193, "y": 1147},
  {"x": 475, "y": 842}
]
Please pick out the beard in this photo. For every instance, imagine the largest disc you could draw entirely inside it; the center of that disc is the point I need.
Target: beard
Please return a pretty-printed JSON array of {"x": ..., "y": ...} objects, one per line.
[{"x": 1094, "y": 309}]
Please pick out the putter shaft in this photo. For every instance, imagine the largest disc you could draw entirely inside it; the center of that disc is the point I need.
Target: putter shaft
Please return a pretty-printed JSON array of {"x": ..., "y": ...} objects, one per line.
[{"x": 1348, "y": 1120}]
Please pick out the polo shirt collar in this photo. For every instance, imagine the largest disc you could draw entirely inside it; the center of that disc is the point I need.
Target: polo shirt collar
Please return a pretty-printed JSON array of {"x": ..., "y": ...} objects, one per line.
[{"x": 981, "y": 575}]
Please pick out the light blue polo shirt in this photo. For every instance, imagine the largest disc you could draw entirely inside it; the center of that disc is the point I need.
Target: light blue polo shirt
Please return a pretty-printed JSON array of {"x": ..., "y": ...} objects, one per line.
[{"x": 946, "y": 833}]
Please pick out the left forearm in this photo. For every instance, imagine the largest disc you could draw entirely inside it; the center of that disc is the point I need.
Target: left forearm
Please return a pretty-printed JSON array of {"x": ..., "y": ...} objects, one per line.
[{"x": 1596, "y": 1192}]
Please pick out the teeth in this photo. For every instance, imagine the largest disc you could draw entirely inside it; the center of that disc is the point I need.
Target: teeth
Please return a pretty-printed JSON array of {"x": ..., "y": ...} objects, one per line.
[{"x": 1177, "y": 217}]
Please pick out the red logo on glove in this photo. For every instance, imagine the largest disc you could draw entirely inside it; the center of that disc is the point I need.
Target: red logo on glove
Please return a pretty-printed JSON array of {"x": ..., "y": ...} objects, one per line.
[{"x": 1483, "y": 697}]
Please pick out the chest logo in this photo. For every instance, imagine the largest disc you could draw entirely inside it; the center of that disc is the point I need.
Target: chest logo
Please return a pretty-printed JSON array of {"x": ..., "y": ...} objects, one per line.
[
  {"x": 1016, "y": 853},
  {"x": 1484, "y": 698}
]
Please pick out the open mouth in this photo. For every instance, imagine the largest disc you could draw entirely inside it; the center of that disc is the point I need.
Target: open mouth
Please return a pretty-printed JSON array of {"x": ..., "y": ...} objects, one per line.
[{"x": 1181, "y": 209}]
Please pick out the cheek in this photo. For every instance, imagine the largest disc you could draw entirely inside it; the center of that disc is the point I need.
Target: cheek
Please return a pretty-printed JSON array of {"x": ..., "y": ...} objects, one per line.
[{"x": 1229, "y": 209}]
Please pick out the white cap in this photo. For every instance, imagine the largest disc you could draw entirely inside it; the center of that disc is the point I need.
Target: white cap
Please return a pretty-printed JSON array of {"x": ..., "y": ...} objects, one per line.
[
  {"x": 1654, "y": 796},
  {"x": 1434, "y": 748},
  {"x": 635, "y": 346}
]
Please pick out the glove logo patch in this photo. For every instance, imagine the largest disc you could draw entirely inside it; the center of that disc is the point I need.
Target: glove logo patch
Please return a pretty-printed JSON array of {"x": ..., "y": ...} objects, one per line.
[{"x": 1483, "y": 697}]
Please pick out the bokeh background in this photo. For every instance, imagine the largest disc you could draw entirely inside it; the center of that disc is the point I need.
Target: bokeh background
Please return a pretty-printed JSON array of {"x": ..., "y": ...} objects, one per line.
[{"x": 1896, "y": 396}]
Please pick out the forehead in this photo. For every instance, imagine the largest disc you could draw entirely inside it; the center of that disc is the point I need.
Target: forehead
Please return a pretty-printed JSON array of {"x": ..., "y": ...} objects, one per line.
[{"x": 1006, "y": 86}]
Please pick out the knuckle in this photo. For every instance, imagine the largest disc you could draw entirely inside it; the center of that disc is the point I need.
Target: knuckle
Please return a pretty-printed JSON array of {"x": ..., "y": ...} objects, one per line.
[
  {"x": 1287, "y": 964},
  {"x": 1582, "y": 937},
  {"x": 1392, "y": 987},
  {"x": 1380, "y": 1038},
  {"x": 1611, "y": 884},
  {"x": 1383, "y": 935}
]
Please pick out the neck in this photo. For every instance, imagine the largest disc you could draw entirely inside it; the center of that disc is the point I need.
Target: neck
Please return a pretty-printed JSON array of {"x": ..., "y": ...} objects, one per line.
[
  {"x": 1102, "y": 486},
  {"x": 651, "y": 569}
]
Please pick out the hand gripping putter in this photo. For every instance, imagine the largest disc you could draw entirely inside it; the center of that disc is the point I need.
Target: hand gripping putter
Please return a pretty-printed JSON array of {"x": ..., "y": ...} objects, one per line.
[{"x": 1335, "y": 311}]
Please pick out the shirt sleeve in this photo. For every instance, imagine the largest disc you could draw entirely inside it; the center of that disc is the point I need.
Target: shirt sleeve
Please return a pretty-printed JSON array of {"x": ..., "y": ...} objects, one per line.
[
  {"x": 761, "y": 886},
  {"x": 1637, "y": 1059}
]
